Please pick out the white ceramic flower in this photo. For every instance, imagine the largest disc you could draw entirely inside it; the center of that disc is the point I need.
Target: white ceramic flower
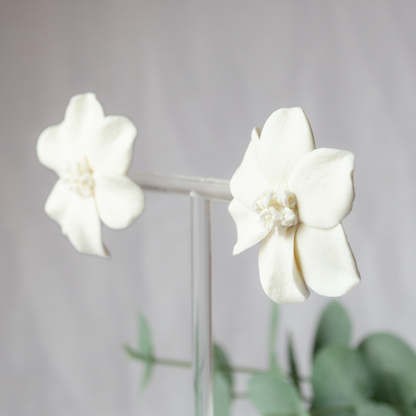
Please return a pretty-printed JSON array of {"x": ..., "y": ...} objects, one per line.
[
  {"x": 91, "y": 154},
  {"x": 294, "y": 198}
]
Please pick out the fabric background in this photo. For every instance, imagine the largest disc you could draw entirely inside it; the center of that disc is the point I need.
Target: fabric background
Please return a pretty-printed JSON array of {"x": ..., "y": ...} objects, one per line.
[{"x": 195, "y": 77}]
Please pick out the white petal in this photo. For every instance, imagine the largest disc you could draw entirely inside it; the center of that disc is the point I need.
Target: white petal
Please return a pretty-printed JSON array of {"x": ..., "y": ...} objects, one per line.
[
  {"x": 279, "y": 274},
  {"x": 119, "y": 200},
  {"x": 82, "y": 117},
  {"x": 326, "y": 260},
  {"x": 58, "y": 201},
  {"x": 323, "y": 184},
  {"x": 68, "y": 141},
  {"x": 111, "y": 144},
  {"x": 249, "y": 231},
  {"x": 248, "y": 181},
  {"x": 54, "y": 149},
  {"x": 285, "y": 139},
  {"x": 78, "y": 219},
  {"x": 255, "y": 137}
]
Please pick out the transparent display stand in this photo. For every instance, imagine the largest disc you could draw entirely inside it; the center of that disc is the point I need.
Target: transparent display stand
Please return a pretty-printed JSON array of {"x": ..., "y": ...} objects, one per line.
[{"x": 201, "y": 192}]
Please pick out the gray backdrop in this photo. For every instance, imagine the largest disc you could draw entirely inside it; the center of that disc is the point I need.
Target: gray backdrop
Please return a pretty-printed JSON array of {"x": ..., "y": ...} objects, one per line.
[{"x": 195, "y": 76}]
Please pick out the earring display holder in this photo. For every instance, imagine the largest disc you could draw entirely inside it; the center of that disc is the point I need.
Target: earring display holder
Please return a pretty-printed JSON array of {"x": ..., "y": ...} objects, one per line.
[{"x": 201, "y": 192}]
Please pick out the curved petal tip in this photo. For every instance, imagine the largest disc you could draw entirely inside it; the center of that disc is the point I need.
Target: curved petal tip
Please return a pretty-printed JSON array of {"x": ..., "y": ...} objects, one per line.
[
  {"x": 326, "y": 260},
  {"x": 279, "y": 273}
]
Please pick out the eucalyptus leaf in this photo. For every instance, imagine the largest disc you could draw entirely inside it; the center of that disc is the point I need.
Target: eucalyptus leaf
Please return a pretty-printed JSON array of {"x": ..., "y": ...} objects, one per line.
[
  {"x": 393, "y": 365},
  {"x": 145, "y": 349},
  {"x": 375, "y": 409},
  {"x": 334, "y": 327},
  {"x": 294, "y": 374},
  {"x": 222, "y": 395},
  {"x": 222, "y": 365},
  {"x": 340, "y": 379},
  {"x": 272, "y": 395}
]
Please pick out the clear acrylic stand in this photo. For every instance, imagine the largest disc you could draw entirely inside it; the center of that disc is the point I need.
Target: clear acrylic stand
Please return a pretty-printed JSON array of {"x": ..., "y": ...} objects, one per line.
[{"x": 201, "y": 192}]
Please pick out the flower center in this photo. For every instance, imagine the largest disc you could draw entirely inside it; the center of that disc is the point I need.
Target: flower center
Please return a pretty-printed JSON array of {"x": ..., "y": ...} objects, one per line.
[
  {"x": 78, "y": 175},
  {"x": 277, "y": 209}
]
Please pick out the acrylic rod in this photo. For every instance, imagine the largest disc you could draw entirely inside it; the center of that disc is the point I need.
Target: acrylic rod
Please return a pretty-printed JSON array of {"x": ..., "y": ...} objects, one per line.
[
  {"x": 210, "y": 188},
  {"x": 202, "y": 354}
]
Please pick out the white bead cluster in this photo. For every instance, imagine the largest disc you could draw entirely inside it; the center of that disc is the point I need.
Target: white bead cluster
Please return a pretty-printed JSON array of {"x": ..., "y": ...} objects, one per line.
[
  {"x": 78, "y": 175},
  {"x": 277, "y": 209}
]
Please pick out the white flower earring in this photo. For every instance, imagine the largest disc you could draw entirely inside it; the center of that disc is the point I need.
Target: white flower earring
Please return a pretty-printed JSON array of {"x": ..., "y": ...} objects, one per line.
[
  {"x": 293, "y": 198},
  {"x": 91, "y": 155}
]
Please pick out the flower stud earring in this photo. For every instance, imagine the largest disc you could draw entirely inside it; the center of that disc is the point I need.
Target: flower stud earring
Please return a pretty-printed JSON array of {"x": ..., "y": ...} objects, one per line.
[
  {"x": 293, "y": 197},
  {"x": 91, "y": 154}
]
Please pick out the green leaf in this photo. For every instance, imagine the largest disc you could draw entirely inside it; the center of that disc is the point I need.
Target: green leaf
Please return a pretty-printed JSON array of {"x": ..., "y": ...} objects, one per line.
[
  {"x": 334, "y": 327},
  {"x": 145, "y": 349},
  {"x": 272, "y": 395},
  {"x": 340, "y": 379},
  {"x": 223, "y": 383},
  {"x": 222, "y": 365},
  {"x": 293, "y": 366},
  {"x": 272, "y": 339},
  {"x": 222, "y": 395},
  {"x": 375, "y": 409},
  {"x": 393, "y": 365}
]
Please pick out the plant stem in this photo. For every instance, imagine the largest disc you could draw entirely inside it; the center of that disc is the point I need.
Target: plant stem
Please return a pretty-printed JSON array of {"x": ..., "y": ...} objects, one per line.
[
  {"x": 240, "y": 396},
  {"x": 161, "y": 361},
  {"x": 186, "y": 364},
  {"x": 328, "y": 410},
  {"x": 246, "y": 370}
]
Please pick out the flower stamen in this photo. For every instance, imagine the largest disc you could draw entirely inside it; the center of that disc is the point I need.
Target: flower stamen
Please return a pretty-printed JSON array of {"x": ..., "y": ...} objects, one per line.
[
  {"x": 78, "y": 175},
  {"x": 277, "y": 209}
]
